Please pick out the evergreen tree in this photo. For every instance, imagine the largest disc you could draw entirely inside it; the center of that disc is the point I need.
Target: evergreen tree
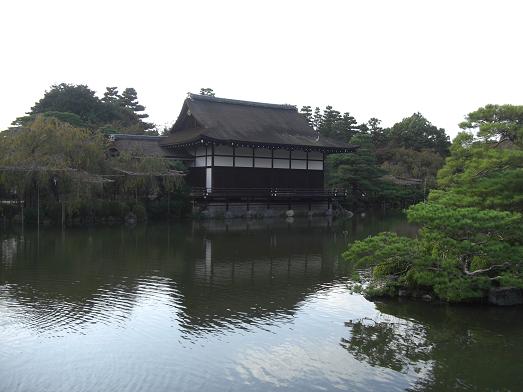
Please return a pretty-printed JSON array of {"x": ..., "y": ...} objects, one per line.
[
  {"x": 68, "y": 98},
  {"x": 307, "y": 113},
  {"x": 329, "y": 122},
  {"x": 207, "y": 91},
  {"x": 346, "y": 127},
  {"x": 317, "y": 119},
  {"x": 111, "y": 95},
  {"x": 471, "y": 240},
  {"x": 358, "y": 172},
  {"x": 378, "y": 135},
  {"x": 129, "y": 100},
  {"x": 79, "y": 106},
  {"x": 486, "y": 170},
  {"x": 418, "y": 133}
]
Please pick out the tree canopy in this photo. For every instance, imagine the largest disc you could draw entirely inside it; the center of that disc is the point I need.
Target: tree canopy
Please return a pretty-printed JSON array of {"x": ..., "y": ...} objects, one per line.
[
  {"x": 53, "y": 161},
  {"x": 410, "y": 152},
  {"x": 411, "y": 148},
  {"x": 207, "y": 91},
  {"x": 358, "y": 172},
  {"x": 417, "y": 133},
  {"x": 50, "y": 154},
  {"x": 472, "y": 226},
  {"x": 79, "y": 105}
]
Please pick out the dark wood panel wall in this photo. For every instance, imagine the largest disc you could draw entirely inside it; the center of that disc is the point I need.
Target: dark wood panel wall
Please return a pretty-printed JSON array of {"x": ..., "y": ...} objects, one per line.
[
  {"x": 196, "y": 177},
  {"x": 248, "y": 167},
  {"x": 228, "y": 156},
  {"x": 246, "y": 177}
]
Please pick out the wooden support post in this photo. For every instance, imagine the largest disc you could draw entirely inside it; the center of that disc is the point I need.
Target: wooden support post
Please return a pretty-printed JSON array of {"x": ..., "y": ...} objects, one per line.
[
  {"x": 168, "y": 205},
  {"x": 63, "y": 214},
  {"x": 38, "y": 205}
]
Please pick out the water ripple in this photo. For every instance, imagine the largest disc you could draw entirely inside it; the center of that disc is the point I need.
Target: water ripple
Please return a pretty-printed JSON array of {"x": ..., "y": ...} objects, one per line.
[{"x": 202, "y": 308}]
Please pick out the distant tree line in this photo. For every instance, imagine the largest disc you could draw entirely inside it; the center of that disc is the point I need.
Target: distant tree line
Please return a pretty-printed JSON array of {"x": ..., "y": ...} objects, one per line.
[
  {"x": 78, "y": 105},
  {"x": 54, "y": 160},
  {"x": 62, "y": 135},
  {"x": 393, "y": 165}
]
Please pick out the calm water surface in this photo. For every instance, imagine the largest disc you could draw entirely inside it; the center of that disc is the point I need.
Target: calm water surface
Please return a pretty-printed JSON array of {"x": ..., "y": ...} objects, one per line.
[{"x": 231, "y": 307}]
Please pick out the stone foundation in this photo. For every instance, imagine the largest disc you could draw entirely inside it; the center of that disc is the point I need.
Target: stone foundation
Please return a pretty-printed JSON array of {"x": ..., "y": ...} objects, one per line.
[{"x": 216, "y": 210}]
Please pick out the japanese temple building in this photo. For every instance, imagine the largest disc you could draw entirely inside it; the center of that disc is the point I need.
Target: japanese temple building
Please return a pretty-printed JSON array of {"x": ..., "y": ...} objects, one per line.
[{"x": 247, "y": 155}]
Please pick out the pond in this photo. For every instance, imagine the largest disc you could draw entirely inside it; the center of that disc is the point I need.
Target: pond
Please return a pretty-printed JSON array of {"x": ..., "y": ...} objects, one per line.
[{"x": 231, "y": 306}]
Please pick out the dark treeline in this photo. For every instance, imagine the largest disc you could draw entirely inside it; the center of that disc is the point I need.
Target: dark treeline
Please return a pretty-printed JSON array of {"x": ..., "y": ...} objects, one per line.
[
  {"x": 392, "y": 166},
  {"x": 79, "y": 106},
  {"x": 54, "y": 160},
  {"x": 59, "y": 151}
]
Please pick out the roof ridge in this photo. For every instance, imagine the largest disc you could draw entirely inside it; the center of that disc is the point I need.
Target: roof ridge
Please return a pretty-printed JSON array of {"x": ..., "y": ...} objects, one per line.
[
  {"x": 210, "y": 98},
  {"x": 115, "y": 136}
]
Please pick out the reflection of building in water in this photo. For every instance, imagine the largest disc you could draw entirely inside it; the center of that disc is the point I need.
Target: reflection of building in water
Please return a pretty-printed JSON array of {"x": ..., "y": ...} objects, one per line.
[
  {"x": 254, "y": 275},
  {"x": 8, "y": 250},
  {"x": 211, "y": 274},
  {"x": 271, "y": 262}
]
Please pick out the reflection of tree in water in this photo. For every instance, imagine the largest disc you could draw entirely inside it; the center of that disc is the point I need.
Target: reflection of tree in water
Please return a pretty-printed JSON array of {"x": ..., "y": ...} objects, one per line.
[
  {"x": 388, "y": 342},
  {"x": 450, "y": 347},
  {"x": 210, "y": 278}
]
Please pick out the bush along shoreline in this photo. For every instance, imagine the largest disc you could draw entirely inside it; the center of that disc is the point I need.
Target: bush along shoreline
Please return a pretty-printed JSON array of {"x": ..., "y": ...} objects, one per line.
[
  {"x": 470, "y": 245},
  {"x": 98, "y": 212}
]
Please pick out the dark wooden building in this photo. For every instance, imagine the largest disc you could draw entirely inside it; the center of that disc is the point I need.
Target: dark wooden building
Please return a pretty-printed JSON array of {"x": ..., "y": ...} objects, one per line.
[
  {"x": 240, "y": 151},
  {"x": 250, "y": 147}
]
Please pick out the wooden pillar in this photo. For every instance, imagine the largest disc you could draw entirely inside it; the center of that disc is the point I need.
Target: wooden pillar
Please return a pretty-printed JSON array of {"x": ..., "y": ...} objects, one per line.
[
  {"x": 168, "y": 205},
  {"x": 38, "y": 205}
]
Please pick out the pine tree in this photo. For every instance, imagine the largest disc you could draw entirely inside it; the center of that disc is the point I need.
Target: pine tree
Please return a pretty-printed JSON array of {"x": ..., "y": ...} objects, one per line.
[
  {"x": 346, "y": 127},
  {"x": 307, "y": 113},
  {"x": 78, "y": 105},
  {"x": 358, "y": 172},
  {"x": 329, "y": 122},
  {"x": 129, "y": 100},
  {"x": 207, "y": 91},
  {"x": 471, "y": 240},
  {"x": 111, "y": 95},
  {"x": 317, "y": 119},
  {"x": 378, "y": 135}
]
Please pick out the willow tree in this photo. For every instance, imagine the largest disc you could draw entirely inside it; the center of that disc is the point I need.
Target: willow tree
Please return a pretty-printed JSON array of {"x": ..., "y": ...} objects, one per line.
[
  {"x": 146, "y": 175},
  {"x": 50, "y": 154}
]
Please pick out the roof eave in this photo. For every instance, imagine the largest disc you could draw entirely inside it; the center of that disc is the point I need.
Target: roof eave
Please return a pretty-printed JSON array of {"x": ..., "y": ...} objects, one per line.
[{"x": 202, "y": 139}]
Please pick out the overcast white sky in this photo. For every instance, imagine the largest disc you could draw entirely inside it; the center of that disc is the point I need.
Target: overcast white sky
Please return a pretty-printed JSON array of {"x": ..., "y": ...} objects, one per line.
[{"x": 385, "y": 59}]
